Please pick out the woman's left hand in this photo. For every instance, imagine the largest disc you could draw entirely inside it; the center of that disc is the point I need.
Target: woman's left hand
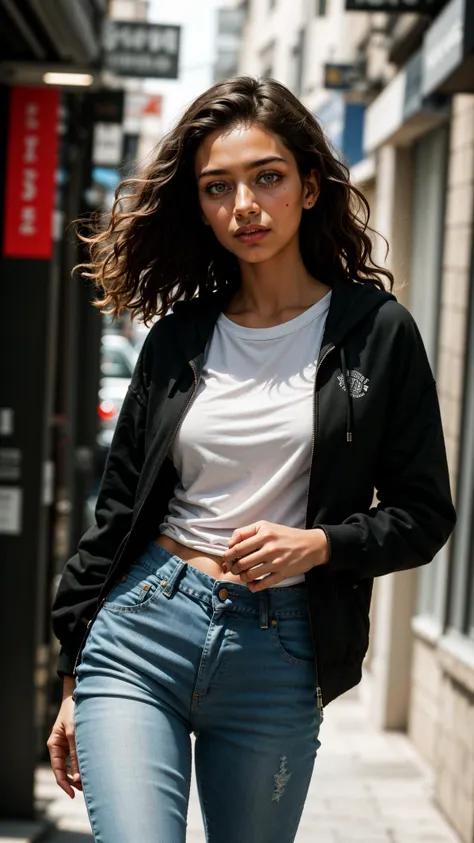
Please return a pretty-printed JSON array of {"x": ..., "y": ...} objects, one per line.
[{"x": 275, "y": 552}]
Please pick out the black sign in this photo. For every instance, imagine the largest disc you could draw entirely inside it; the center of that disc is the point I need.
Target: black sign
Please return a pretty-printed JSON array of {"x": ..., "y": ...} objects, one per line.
[
  {"x": 421, "y": 7},
  {"x": 141, "y": 49},
  {"x": 107, "y": 105}
]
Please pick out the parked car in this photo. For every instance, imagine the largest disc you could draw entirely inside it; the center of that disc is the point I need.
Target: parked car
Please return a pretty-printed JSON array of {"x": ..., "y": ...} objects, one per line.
[{"x": 118, "y": 360}]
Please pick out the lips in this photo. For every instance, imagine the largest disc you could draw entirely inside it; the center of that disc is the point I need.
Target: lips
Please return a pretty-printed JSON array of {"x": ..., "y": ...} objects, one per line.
[
  {"x": 252, "y": 234},
  {"x": 251, "y": 230}
]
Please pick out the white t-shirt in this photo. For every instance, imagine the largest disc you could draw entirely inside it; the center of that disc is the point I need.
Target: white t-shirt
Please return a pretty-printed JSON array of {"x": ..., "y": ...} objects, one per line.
[{"x": 243, "y": 449}]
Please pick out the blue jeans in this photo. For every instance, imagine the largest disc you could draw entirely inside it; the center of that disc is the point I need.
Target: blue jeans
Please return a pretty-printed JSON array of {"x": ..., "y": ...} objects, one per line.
[{"x": 175, "y": 651}]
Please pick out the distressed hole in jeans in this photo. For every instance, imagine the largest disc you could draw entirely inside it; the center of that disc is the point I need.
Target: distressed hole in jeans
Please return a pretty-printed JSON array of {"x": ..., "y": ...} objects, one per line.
[{"x": 281, "y": 779}]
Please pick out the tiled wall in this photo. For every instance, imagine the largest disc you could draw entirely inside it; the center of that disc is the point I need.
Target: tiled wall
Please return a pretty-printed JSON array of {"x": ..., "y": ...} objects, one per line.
[{"x": 442, "y": 727}]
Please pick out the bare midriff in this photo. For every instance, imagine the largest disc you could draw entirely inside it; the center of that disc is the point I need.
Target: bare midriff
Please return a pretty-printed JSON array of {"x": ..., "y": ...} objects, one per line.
[{"x": 205, "y": 562}]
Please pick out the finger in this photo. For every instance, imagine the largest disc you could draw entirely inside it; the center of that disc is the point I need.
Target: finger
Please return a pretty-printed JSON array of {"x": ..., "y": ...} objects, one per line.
[
  {"x": 76, "y": 776},
  {"x": 242, "y": 533},
  {"x": 256, "y": 574},
  {"x": 247, "y": 562},
  {"x": 268, "y": 582},
  {"x": 258, "y": 571},
  {"x": 57, "y": 753},
  {"x": 243, "y": 548}
]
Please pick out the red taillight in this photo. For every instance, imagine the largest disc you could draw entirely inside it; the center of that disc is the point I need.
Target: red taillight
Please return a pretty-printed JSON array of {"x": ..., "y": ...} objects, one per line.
[{"x": 107, "y": 410}]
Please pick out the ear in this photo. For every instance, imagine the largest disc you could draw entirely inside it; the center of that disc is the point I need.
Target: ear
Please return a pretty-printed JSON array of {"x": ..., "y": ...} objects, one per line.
[{"x": 311, "y": 190}]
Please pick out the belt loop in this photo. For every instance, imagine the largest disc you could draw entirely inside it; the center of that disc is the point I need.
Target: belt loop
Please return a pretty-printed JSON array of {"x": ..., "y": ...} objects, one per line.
[
  {"x": 171, "y": 584},
  {"x": 263, "y": 610}
]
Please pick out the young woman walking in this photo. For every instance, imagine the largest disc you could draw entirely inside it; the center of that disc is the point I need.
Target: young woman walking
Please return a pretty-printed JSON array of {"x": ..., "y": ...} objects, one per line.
[{"x": 225, "y": 588}]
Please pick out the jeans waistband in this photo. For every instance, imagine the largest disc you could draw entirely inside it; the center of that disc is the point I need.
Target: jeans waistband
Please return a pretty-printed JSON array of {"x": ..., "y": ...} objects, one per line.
[{"x": 177, "y": 575}]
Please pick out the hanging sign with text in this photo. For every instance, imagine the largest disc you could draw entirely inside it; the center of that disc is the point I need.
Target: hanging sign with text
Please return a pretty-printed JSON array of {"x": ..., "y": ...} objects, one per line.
[
  {"x": 31, "y": 172},
  {"x": 130, "y": 48}
]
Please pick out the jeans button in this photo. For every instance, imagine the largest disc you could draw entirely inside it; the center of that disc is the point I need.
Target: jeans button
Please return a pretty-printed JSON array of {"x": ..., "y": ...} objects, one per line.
[{"x": 223, "y": 594}]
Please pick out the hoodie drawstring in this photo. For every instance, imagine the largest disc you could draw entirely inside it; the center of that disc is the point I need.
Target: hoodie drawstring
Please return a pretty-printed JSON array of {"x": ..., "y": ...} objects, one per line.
[{"x": 349, "y": 413}]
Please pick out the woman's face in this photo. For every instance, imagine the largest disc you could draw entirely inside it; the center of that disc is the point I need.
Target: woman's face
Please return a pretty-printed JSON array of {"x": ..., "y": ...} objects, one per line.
[{"x": 248, "y": 178}]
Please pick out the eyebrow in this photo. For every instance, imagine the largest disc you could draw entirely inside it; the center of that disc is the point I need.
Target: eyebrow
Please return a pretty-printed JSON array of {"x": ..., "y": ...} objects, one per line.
[{"x": 269, "y": 160}]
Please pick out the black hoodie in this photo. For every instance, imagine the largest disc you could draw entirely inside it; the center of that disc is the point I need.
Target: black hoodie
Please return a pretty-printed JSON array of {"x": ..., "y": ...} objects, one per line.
[{"x": 377, "y": 428}]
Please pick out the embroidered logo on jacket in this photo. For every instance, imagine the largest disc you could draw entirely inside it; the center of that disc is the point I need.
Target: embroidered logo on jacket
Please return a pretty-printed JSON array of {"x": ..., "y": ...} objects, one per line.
[{"x": 358, "y": 384}]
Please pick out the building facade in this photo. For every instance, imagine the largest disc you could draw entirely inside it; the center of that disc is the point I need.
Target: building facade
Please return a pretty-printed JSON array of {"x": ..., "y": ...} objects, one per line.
[{"x": 411, "y": 76}]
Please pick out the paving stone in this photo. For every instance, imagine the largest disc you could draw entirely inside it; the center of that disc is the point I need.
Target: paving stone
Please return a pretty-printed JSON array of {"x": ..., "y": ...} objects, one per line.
[{"x": 21, "y": 832}]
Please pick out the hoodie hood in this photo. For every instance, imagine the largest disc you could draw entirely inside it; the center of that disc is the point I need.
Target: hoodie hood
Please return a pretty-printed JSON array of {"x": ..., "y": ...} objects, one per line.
[{"x": 351, "y": 302}]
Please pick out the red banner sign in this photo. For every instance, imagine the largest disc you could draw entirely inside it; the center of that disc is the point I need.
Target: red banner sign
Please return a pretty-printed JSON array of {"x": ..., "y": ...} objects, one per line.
[{"x": 31, "y": 172}]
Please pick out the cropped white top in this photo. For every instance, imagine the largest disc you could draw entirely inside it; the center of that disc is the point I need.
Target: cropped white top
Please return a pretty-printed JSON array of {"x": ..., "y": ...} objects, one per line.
[{"x": 243, "y": 449}]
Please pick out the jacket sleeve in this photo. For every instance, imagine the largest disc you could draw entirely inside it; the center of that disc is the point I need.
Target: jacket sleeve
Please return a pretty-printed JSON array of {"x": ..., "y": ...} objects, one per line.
[
  {"x": 415, "y": 515},
  {"x": 85, "y": 573}
]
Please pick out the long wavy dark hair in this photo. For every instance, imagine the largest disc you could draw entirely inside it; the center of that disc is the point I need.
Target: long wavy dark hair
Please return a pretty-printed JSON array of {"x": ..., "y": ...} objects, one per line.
[{"x": 154, "y": 247}]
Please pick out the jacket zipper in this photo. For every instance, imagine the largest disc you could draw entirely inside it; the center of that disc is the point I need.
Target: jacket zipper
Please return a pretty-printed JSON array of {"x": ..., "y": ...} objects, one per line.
[
  {"x": 319, "y": 693},
  {"x": 125, "y": 539}
]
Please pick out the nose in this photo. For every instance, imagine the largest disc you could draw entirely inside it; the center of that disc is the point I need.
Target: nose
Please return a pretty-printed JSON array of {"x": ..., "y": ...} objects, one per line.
[{"x": 245, "y": 203}]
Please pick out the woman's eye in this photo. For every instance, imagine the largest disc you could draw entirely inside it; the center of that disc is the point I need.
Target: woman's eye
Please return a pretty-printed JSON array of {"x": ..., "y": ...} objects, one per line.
[
  {"x": 217, "y": 188},
  {"x": 270, "y": 178}
]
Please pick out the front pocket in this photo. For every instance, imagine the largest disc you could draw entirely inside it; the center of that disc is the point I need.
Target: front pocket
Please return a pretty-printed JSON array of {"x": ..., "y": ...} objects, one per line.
[
  {"x": 292, "y": 636},
  {"x": 133, "y": 592}
]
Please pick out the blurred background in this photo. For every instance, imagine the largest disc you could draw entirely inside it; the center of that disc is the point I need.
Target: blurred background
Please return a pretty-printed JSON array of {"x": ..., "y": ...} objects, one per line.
[{"x": 87, "y": 88}]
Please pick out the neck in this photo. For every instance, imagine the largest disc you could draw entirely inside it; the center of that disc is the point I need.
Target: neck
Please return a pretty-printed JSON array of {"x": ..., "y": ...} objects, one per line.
[{"x": 281, "y": 283}]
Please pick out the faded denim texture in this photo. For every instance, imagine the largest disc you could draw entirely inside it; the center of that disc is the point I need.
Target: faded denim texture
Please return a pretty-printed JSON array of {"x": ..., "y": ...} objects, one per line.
[{"x": 173, "y": 652}]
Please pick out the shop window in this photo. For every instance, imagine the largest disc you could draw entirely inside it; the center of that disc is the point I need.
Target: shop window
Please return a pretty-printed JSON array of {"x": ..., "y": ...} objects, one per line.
[
  {"x": 430, "y": 156},
  {"x": 461, "y": 593}
]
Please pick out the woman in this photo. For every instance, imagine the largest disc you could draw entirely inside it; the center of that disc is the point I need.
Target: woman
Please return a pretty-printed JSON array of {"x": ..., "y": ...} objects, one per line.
[{"x": 225, "y": 588}]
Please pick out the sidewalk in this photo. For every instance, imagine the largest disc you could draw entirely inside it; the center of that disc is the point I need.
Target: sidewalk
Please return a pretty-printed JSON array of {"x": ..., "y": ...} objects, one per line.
[{"x": 368, "y": 787}]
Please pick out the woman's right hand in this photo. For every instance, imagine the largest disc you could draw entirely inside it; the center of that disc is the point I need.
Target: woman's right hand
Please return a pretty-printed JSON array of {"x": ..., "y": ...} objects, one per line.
[{"x": 62, "y": 742}]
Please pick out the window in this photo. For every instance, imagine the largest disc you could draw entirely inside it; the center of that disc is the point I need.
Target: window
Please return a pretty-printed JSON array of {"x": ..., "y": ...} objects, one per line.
[
  {"x": 298, "y": 63},
  {"x": 430, "y": 157},
  {"x": 321, "y": 9},
  {"x": 461, "y": 597},
  {"x": 267, "y": 56}
]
